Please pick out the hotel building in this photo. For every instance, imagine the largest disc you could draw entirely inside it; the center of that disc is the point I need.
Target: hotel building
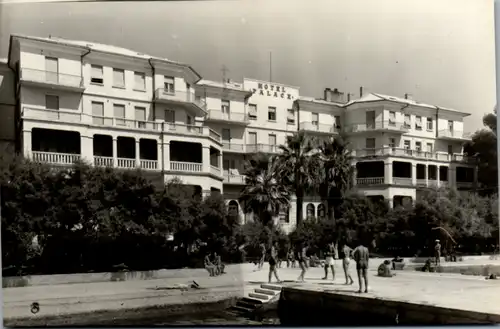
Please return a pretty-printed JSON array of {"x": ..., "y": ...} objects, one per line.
[{"x": 111, "y": 106}]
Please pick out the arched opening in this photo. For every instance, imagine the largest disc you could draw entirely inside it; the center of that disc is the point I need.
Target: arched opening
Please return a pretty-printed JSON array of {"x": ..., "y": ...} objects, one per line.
[
  {"x": 310, "y": 210},
  {"x": 321, "y": 211}
]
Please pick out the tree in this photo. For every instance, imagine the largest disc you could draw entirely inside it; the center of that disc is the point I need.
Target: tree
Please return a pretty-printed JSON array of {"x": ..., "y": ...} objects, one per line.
[
  {"x": 264, "y": 193},
  {"x": 483, "y": 147},
  {"x": 335, "y": 174},
  {"x": 297, "y": 165}
]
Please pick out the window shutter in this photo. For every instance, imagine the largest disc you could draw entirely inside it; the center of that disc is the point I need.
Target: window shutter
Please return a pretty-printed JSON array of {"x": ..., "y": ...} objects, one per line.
[{"x": 97, "y": 109}]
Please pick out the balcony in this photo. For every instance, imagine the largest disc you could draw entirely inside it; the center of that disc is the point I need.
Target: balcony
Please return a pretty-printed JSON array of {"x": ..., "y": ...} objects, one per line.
[
  {"x": 191, "y": 130},
  {"x": 319, "y": 128},
  {"x": 453, "y": 135},
  {"x": 234, "y": 179},
  {"x": 416, "y": 154},
  {"x": 126, "y": 123},
  {"x": 240, "y": 119},
  {"x": 215, "y": 170},
  {"x": 264, "y": 148},
  {"x": 233, "y": 147},
  {"x": 52, "y": 115},
  {"x": 405, "y": 181},
  {"x": 183, "y": 99},
  {"x": 55, "y": 158},
  {"x": 367, "y": 181},
  {"x": 186, "y": 166},
  {"x": 53, "y": 80},
  {"x": 378, "y": 126}
]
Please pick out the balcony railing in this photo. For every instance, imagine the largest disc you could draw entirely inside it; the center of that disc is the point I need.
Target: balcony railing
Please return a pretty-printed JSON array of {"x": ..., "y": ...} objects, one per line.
[
  {"x": 186, "y": 166},
  {"x": 215, "y": 170},
  {"x": 422, "y": 182},
  {"x": 401, "y": 180},
  {"x": 465, "y": 184},
  {"x": 124, "y": 163},
  {"x": 126, "y": 123},
  {"x": 165, "y": 95},
  {"x": 458, "y": 134},
  {"x": 149, "y": 164},
  {"x": 265, "y": 148},
  {"x": 52, "y": 115},
  {"x": 228, "y": 146},
  {"x": 318, "y": 127},
  {"x": 231, "y": 116},
  {"x": 370, "y": 181},
  {"x": 234, "y": 179},
  {"x": 100, "y": 161},
  {"x": 192, "y": 130},
  {"x": 395, "y": 151},
  {"x": 377, "y": 126},
  {"x": 55, "y": 158},
  {"x": 52, "y": 78}
]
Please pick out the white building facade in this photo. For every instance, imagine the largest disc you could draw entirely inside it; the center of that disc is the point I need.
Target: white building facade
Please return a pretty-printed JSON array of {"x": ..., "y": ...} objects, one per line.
[{"x": 114, "y": 107}]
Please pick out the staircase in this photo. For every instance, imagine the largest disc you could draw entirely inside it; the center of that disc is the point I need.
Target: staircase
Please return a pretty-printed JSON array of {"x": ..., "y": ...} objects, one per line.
[{"x": 259, "y": 298}]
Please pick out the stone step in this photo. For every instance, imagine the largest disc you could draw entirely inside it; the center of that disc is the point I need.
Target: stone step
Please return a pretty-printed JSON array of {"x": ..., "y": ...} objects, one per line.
[
  {"x": 266, "y": 292},
  {"x": 241, "y": 309},
  {"x": 271, "y": 287},
  {"x": 248, "y": 305},
  {"x": 251, "y": 300},
  {"x": 259, "y": 296}
]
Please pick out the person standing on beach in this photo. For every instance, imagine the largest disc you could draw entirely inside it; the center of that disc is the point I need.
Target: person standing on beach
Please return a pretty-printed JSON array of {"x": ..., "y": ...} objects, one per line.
[
  {"x": 361, "y": 256},
  {"x": 262, "y": 255},
  {"x": 273, "y": 262},
  {"x": 330, "y": 260},
  {"x": 437, "y": 253},
  {"x": 345, "y": 255},
  {"x": 302, "y": 258}
]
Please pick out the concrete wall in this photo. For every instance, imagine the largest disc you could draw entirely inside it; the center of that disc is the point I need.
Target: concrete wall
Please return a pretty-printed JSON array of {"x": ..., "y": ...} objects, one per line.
[{"x": 7, "y": 104}]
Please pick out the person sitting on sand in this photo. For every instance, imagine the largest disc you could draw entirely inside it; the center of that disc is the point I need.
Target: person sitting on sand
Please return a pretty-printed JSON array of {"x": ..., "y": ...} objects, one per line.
[
  {"x": 218, "y": 264},
  {"x": 384, "y": 270},
  {"x": 209, "y": 266}
]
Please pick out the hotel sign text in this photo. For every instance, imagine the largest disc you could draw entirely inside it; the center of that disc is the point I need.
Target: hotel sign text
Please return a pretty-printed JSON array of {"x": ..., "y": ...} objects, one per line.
[{"x": 265, "y": 89}]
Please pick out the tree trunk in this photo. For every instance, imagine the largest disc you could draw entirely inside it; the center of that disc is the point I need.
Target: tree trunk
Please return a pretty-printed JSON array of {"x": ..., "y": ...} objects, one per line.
[{"x": 299, "y": 213}]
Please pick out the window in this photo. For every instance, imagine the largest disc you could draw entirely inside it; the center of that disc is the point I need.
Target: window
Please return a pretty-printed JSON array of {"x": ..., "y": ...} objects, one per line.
[
  {"x": 140, "y": 116},
  {"x": 226, "y": 135},
  {"x": 119, "y": 114},
  {"x": 450, "y": 125},
  {"x": 118, "y": 78},
  {"x": 418, "y": 146},
  {"x": 272, "y": 140},
  {"x": 96, "y": 75},
  {"x": 392, "y": 143},
  {"x": 170, "y": 116},
  {"x": 450, "y": 149},
  {"x": 271, "y": 113},
  {"x": 290, "y": 119},
  {"x": 429, "y": 124},
  {"x": 139, "y": 81},
  {"x": 252, "y": 138},
  {"x": 418, "y": 123},
  {"x": 370, "y": 143},
  {"x": 168, "y": 85},
  {"x": 52, "y": 102},
  {"x": 337, "y": 122},
  {"x": 252, "y": 111},
  {"x": 392, "y": 118},
  {"x": 315, "y": 119},
  {"x": 407, "y": 147},
  {"x": 407, "y": 121},
  {"x": 225, "y": 107},
  {"x": 429, "y": 147},
  {"x": 98, "y": 113}
]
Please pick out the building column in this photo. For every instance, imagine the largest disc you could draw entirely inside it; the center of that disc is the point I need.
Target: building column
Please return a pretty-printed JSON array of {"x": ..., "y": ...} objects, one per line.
[
  {"x": 452, "y": 177},
  {"x": 220, "y": 162},
  {"x": 388, "y": 172},
  {"x": 87, "y": 149},
  {"x": 413, "y": 174},
  {"x": 354, "y": 176},
  {"x": 138, "y": 153},
  {"x": 159, "y": 154},
  {"x": 426, "y": 176},
  {"x": 27, "y": 146},
  {"x": 166, "y": 155},
  {"x": 206, "y": 158},
  {"x": 438, "y": 184},
  {"x": 115, "y": 152}
]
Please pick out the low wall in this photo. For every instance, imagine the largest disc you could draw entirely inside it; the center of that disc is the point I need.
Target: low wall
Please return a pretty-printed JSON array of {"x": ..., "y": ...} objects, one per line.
[
  {"x": 42, "y": 280},
  {"x": 299, "y": 307}
]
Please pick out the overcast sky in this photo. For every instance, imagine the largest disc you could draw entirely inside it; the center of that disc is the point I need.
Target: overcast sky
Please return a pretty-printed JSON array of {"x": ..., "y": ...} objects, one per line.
[{"x": 441, "y": 51}]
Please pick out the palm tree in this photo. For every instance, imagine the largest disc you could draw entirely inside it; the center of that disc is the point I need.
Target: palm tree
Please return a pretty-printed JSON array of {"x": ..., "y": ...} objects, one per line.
[
  {"x": 297, "y": 162},
  {"x": 335, "y": 173},
  {"x": 264, "y": 195}
]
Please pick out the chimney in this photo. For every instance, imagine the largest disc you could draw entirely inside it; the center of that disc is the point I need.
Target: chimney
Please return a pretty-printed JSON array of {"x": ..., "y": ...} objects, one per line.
[
  {"x": 337, "y": 96},
  {"x": 328, "y": 95},
  {"x": 360, "y": 91},
  {"x": 408, "y": 96}
]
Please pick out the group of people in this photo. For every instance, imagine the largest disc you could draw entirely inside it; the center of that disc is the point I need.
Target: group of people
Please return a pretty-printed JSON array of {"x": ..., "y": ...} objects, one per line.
[
  {"x": 299, "y": 254},
  {"x": 213, "y": 264}
]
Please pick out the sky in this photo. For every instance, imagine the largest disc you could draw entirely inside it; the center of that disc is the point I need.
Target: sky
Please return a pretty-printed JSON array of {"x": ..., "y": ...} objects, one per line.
[{"x": 441, "y": 52}]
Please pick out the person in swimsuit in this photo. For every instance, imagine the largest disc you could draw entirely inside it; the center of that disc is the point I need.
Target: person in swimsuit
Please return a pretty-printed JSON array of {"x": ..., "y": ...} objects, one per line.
[
  {"x": 345, "y": 255},
  {"x": 437, "y": 253},
  {"x": 262, "y": 255},
  {"x": 302, "y": 258},
  {"x": 330, "y": 260},
  {"x": 208, "y": 265},
  {"x": 361, "y": 256},
  {"x": 273, "y": 262}
]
